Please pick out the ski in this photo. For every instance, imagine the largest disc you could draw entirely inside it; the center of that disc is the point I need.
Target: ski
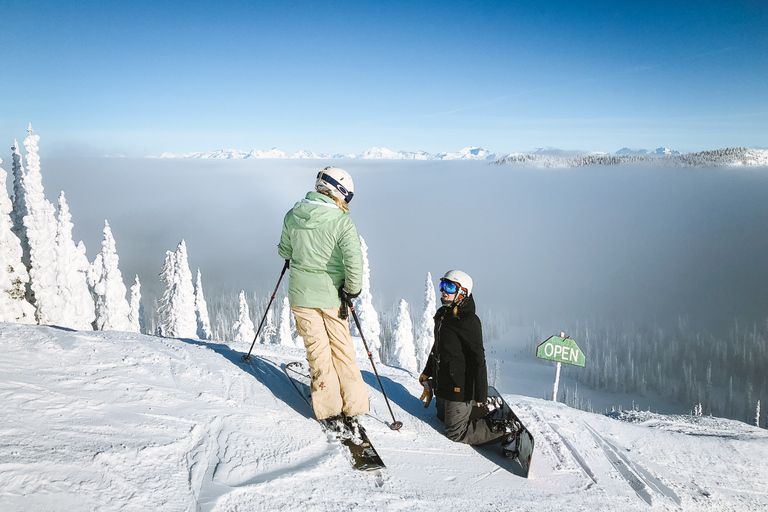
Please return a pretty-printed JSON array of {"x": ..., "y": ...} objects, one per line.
[
  {"x": 524, "y": 445},
  {"x": 360, "y": 452}
]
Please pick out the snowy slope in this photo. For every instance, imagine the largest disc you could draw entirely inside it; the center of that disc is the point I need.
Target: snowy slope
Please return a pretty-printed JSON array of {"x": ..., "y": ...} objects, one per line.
[{"x": 121, "y": 421}]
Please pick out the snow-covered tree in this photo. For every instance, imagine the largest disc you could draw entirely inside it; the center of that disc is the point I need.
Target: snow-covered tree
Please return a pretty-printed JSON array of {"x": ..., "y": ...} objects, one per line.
[
  {"x": 108, "y": 288},
  {"x": 403, "y": 350},
  {"x": 136, "y": 314},
  {"x": 269, "y": 330},
  {"x": 204, "y": 331},
  {"x": 95, "y": 272},
  {"x": 757, "y": 414},
  {"x": 284, "y": 332},
  {"x": 494, "y": 374},
  {"x": 19, "y": 205},
  {"x": 369, "y": 318},
  {"x": 39, "y": 233},
  {"x": 425, "y": 333},
  {"x": 76, "y": 307},
  {"x": 177, "y": 317},
  {"x": 748, "y": 395},
  {"x": 13, "y": 273},
  {"x": 243, "y": 328}
]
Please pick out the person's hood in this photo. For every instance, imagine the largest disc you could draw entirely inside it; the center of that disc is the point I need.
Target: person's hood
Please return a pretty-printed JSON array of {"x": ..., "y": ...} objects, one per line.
[{"x": 314, "y": 209}]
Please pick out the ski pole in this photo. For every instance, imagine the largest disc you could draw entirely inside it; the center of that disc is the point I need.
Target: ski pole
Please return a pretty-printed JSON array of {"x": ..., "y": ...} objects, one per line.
[
  {"x": 247, "y": 357},
  {"x": 396, "y": 425}
]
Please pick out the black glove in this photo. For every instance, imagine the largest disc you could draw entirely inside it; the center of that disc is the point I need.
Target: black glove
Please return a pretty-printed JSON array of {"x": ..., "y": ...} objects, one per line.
[{"x": 346, "y": 301}]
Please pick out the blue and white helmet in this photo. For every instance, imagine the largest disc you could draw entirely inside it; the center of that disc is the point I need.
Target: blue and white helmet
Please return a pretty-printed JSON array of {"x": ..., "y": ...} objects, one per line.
[{"x": 337, "y": 181}]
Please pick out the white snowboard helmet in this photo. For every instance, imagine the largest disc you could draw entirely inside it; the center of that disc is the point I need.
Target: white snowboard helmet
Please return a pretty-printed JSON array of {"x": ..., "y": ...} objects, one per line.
[
  {"x": 337, "y": 181},
  {"x": 462, "y": 278}
]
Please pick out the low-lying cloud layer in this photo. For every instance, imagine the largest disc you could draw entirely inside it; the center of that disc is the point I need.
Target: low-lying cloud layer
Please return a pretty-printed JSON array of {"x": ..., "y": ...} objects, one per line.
[{"x": 629, "y": 242}]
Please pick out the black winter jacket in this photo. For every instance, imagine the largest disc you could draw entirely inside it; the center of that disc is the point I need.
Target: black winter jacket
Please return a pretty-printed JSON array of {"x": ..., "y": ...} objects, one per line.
[{"x": 457, "y": 360}]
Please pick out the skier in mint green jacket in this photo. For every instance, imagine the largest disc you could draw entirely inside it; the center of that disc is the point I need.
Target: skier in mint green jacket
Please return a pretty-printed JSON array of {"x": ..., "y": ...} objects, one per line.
[{"x": 326, "y": 265}]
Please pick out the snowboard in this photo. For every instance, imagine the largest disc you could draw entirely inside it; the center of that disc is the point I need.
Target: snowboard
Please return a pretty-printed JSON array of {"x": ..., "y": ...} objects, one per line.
[
  {"x": 360, "y": 452},
  {"x": 502, "y": 411}
]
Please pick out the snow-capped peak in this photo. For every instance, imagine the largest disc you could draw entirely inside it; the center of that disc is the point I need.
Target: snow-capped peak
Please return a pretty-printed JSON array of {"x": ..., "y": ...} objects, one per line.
[
  {"x": 665, "y": 151},
  {"x": 468, "y": 153},
  {"x": 378, "y": 153}
]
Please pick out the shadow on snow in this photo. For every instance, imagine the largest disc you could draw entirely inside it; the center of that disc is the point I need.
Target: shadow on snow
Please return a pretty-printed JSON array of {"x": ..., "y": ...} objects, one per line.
[
  {"x": 272, "y": 376},
  {"x": 268, "y": 373}
]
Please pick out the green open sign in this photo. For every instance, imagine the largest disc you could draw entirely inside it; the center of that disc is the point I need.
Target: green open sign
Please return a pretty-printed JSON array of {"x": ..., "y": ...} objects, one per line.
[{"x": 562, "y": 350}]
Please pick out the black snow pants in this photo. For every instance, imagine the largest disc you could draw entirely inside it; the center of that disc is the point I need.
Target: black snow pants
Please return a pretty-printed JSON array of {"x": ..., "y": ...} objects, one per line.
[{"x": 463, "y": 425}]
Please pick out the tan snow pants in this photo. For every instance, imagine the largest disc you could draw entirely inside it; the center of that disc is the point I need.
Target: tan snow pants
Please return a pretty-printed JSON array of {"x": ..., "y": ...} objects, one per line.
[{"x": 337, "y": 384}]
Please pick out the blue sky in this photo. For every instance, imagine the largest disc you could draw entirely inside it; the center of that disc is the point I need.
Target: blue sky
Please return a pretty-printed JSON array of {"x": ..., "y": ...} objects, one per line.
[{"x": 138, "y": 78}]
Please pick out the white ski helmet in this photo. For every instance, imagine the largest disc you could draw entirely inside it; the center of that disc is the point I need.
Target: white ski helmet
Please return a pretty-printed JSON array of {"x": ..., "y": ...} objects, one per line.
[
  {"x": 462, "y": 278},
  {"x": 337, "y": 181}
]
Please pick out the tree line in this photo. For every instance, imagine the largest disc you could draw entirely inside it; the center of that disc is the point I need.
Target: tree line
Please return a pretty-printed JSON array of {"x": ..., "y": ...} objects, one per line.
[
  {"x": 719, "y": 375},
  {"x": 46, "y": 278}
]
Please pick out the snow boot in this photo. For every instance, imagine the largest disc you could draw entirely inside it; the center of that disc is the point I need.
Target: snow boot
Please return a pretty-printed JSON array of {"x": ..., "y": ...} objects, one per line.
[
  {"x": 354, "y": 429},
  {"x": 509, "y": 444},
  {"x": 506, "y": 426},
  {"x": 492, "y": 403},
  {"x": 335, "y": 425}
]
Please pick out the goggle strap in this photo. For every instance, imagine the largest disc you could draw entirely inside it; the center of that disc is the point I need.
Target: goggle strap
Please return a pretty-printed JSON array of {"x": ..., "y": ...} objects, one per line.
[{"x": 341, "y": 188}]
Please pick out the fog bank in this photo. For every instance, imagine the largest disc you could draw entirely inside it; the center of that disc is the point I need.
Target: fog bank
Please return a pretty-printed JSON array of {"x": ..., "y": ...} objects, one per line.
[{"x": 546, "y": 245}]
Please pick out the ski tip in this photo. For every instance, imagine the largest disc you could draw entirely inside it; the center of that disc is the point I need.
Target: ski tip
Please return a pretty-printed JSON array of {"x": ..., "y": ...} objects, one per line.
[{"x": 396, "y": 425}]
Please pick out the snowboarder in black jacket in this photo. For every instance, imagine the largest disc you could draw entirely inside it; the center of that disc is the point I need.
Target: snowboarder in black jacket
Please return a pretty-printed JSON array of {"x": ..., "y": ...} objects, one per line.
[{"x": 455, "y": 371}]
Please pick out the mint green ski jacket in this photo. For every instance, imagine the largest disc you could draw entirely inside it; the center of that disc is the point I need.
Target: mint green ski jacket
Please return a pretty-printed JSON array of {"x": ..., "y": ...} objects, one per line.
[{"x": 321, "y": 241}]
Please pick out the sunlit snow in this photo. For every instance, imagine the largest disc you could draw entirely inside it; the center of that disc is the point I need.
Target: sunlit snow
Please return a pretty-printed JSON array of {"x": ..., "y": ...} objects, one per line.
[{"x": 123, "y": 421}]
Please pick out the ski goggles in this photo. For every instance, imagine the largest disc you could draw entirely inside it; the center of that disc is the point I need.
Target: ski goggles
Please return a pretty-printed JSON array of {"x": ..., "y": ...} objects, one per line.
[
  {"x": 341, "y": 188},
  {"x": 449, "y": 287}
]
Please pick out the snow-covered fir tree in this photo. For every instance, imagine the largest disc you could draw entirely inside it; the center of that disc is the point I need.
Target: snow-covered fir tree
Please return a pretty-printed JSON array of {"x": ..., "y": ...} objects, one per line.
[
  {"x": 403, "y": 350},
  {"x": 177, "y": 317},
  {"x": 243, "y": 328},
  {"x": 19, "y": 205},
  {"x": 369, "y": 318},
  {"x": 136, "y": 314},
  {"x": 269, "y": 331},
  {"x": 494, "y": 374},
  {"x": 425, "y": 332},
  {"x": 13, "y": 273},
  {"x": 285, "y": 331},
  {"x": 108, "y": 288},
  {"x": 76, "y": 307},
  {"x": 39, "y": 233},
  {"x": 204, "y": 331},
  {"x": 95, "y": 271}
]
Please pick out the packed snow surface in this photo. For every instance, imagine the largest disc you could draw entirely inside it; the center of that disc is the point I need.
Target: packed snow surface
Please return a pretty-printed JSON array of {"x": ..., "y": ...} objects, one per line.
[{"x": 123, "y": 421}]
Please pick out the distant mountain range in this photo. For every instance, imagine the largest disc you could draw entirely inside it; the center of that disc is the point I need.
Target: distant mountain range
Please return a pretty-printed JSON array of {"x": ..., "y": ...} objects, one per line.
[
  {"x": 541, "y": 157},
  {"x": 657, "y": 152},
  {"x": 468, "y": 153}
]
